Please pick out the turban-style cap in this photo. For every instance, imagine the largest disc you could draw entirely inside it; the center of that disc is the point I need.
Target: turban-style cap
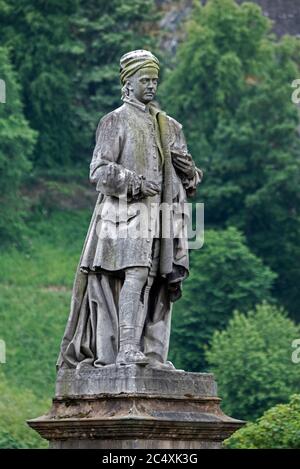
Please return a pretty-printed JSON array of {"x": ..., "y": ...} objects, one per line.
[{"x": 133, "y": 61}]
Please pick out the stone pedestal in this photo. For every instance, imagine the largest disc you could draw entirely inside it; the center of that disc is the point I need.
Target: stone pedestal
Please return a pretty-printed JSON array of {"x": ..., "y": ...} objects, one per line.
[{"x": 135, "y": 407}]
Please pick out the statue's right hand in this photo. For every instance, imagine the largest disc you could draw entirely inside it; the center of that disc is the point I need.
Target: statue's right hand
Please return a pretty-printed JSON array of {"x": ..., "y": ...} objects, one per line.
[{"x": 149, "y": 188}]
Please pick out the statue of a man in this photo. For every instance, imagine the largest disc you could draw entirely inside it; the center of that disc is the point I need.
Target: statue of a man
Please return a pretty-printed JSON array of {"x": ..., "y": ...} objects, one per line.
[{"x": 125, "y": 285}]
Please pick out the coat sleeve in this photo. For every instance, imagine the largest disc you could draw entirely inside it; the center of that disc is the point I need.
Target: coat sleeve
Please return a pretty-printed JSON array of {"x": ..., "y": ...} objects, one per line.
[
  {"x": 178, "y": 145},
  {"x": 110, "y": 177}
]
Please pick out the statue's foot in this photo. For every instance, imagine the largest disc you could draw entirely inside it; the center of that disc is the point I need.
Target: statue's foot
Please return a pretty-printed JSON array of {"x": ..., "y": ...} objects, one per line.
[
  {"x": 170, "y": 365},
  {"x": 129, "y": 357},
  {"x": 166, "y": 366},
  {"x": 162, "y": 366}
]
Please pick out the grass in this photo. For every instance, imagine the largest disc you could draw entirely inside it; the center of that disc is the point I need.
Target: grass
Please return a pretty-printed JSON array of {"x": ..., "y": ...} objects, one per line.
[{"x": 35, "y": 293}]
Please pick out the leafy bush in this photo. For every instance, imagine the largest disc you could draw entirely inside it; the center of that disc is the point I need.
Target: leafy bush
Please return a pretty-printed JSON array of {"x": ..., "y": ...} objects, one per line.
[
  {"x": 224, "y": 276},
  {"x": 278, "y": 428},
  {"x": 252, "y": 362}
]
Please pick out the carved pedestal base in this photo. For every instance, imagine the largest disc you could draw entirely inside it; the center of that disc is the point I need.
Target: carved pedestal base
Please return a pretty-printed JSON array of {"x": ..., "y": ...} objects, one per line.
[{"x": 135, "y": 407}]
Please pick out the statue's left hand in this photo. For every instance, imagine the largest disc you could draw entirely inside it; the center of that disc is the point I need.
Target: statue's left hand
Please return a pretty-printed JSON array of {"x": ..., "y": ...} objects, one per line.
[{"x": 184, "y": 163}]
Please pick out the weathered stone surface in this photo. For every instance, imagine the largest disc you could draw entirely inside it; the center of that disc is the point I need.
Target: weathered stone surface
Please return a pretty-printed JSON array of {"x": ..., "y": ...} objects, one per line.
[
  {"x": 116, "y": 379},
  {"x": 136, "y": 253},
  {"x": 285, "y": 15},
  {"x": 135, "y": 407},
  {"x": 136, "y": 444}
]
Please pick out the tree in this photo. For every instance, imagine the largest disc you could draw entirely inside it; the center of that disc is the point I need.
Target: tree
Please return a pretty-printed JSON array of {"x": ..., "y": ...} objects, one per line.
[
  {"x": 252, "y": 363},
  {"x": 231, "y": 89},
  {"x": 16, "y": 145},
  {"x": 224, "y": 276},
  {"x": 37, "y": 34},
  {"x": 102, "y": 32},
  {"x": 66, "y": 54},
  {"x": 278, "y": 428}
]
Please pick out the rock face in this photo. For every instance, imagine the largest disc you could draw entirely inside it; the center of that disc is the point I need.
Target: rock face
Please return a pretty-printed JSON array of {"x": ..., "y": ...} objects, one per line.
[
  {"x": 284, "y": 13},
  {"x": 135, "y": 407}
]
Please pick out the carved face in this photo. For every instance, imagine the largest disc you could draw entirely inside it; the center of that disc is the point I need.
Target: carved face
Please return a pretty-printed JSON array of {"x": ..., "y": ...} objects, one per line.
[{"x": 143, "y": 84}]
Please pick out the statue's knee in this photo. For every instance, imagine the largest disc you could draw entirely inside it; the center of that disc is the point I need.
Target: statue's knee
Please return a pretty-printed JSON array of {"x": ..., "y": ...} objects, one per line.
[{"x": 138, "y": 275}]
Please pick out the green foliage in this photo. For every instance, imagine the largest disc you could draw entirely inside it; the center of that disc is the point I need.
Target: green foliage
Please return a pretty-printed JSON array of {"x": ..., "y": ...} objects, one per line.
[
  {"x": 252, "y": 363},
  {"x": 32, "y": 325},
  {"x": 16, "y": 145},
  {"x": 278, "y": 428},
  {"x": 231, "y": 88},
  {"x": 103, "y": 31},
  {"x": 224, "y": 276},
  {"x": 16, "y": 406},
  {"x": 35, "y": 292},
  {"x": 66, "y": 55},
  {"x": 37, "y": 34}
]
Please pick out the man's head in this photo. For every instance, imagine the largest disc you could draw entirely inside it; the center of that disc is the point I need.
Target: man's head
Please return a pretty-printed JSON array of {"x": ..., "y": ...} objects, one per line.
[
  {"x": 139, "y": 75},
  {"x": 143, "y": 84}
]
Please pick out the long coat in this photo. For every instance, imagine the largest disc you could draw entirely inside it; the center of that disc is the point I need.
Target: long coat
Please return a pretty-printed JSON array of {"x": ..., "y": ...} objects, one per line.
[{"x": 129, "y": 147}]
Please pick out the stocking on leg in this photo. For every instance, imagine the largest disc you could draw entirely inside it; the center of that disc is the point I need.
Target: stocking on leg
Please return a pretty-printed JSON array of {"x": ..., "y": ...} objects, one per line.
[{"x": 130, "y": 313}]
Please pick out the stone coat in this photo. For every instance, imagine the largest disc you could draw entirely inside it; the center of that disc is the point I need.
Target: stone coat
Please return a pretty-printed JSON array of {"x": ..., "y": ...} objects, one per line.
[{"x": 128, "y": 140}]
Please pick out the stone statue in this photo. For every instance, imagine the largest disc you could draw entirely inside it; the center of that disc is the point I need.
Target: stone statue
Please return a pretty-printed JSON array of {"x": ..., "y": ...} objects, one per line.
[
  {"x": 125, "y": 285},
  {"x": 115, "y": 387}
]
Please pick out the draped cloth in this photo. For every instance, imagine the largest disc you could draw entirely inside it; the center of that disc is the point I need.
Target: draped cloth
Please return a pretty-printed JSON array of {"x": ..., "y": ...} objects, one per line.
[{"x": 92, "y": 331}]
